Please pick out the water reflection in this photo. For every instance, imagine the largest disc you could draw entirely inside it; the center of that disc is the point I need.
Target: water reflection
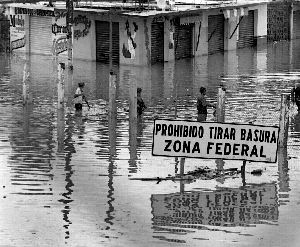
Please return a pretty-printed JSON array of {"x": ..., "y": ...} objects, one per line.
[
  {"x": 283, "y": 176},
  {"x": 29, "y": 172},
  {"x": 69, "y": 148},
  {"x": 35, "y": 155},
  {"x": 227, "y": 207},
  {"x": 112, "y": 127}
]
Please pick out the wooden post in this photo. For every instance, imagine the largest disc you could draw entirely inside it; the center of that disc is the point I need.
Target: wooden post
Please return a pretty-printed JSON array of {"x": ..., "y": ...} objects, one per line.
[
  {"x": 243, "y": 172},
  {"x": 220, "y": 108},
  {"x": 220, "y": 117},
  {"x": 25, "y": 94},
  {"x": 60, "y": 129},
  {"x": 182, "y": 161},
  {"x": 69, "y": 23},
  {"x": 133, "y": 100},
  {"x": 283, "y": 170},
  {"x": 110, "y": 43},
  {"x": 112, "y": 95},
  {"x": 284, "y": 120},
  {"x": 60, "y": 85}
]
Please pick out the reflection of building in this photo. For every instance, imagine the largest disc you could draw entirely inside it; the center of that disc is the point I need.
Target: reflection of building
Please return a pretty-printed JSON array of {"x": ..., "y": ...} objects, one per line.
[
  {"x": 146, "y": 36},
  {"x": 224, "y": 207}
]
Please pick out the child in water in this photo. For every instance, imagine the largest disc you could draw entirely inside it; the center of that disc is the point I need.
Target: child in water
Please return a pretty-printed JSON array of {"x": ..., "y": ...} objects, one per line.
[{"x": 79, "y": 97}]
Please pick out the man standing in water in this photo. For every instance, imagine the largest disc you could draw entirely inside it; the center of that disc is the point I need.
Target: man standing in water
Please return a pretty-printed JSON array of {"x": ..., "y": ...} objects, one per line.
[
  {"x": 79, "y": 97},
  {"x": 140, "y": 103},
  {"x": 202, "y": 105},
  {"x": 296, "y": 95}
]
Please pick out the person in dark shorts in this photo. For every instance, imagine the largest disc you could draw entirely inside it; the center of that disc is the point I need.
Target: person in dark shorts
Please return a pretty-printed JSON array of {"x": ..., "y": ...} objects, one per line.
[
  {"x": 296, "y": 95},
  {"x": 140, "y": 103},
  {"x": 79, "y": 97},
  {"x": 202, "y": 105}
]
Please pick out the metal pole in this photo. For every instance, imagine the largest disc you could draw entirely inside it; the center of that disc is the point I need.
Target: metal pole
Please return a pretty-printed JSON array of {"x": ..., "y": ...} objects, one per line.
[{"x": 284, "y": 120}]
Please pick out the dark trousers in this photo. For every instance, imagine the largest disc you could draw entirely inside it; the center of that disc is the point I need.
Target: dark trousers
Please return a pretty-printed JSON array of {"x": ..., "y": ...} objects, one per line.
[
  {"x": 78, "y": 107},
  {"x": 201, "y": 117}
]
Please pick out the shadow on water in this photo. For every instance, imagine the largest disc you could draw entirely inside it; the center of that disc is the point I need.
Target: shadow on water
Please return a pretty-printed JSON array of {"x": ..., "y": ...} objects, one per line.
[{"x": 69, "y": 149}]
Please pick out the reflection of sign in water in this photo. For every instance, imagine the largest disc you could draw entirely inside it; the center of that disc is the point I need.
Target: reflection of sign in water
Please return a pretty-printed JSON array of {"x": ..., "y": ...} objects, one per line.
[
  {"x": 226, "y": 207},
  {"x": 19, "y": 43},
  {"x": 176, "y": 138}
]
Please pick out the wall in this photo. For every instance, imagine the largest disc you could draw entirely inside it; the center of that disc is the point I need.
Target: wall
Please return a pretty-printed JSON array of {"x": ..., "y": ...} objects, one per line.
[
  {"x": 135, "y": 41},
  {"x": 260, "y": 23},
  {"x": 84, "y": 39},
  {"x": 278, "y": 23},
  {"x": 19, "y": 24},
  {"x": 59, "y": 34},
  {"x": 230, "y": 31}
]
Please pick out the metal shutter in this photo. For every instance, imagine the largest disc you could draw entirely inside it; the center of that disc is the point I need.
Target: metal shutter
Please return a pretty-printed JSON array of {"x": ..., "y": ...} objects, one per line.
[
  {"x": 40, "y": 35},
  {"x": 246, "y": 30},
  {"x": 4, "y": 35},
  {"x": 183, "y": 41},
  {"x": 157, "y": 42},
  {"x": 215, "y": 33},
  {"x": 296, "y": 25},
  {"x": 102, "y": 42}
]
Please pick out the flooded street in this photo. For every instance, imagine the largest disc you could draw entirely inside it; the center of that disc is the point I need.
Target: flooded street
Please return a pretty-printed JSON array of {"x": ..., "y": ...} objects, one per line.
[{"x": 68, "y": 180}]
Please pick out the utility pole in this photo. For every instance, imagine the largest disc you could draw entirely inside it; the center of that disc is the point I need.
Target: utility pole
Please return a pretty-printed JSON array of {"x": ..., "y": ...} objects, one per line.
[{"x": 69, "y": 23}]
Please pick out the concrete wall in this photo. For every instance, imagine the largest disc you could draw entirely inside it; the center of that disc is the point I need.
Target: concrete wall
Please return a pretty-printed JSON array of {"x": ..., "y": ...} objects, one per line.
[
  {"x": 19, "y": 25},
  {"x": 278, "y": 23},
  {"x": 230, "y": 31},
  {"x": 84, "y": 41},
  {"x": 139, "y": 32},
  {"x": 260, "y": 23}
]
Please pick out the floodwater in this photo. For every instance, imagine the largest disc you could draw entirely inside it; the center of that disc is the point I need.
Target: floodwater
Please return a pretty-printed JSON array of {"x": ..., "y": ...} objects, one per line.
[{"x": 71, "y": 180}]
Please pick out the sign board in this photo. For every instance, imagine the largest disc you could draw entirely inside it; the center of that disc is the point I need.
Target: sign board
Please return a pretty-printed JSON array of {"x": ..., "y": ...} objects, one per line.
[
  {"x": 176, "y": 138},
  {"x": 253, "y": 204}
]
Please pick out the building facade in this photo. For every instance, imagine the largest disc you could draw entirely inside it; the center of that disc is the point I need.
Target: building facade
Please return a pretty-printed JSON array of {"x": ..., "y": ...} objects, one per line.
[{"x": 142, "y": 38}]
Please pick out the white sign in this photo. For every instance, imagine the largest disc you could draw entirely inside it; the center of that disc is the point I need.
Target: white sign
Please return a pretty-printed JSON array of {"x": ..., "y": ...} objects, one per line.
[{"x": 177, "y": 138}]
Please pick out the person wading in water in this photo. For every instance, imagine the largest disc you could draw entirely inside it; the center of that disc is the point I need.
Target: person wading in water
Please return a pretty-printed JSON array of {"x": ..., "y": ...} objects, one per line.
[
  {"x": 296, "y": 95},
  {"x": 140, "y": 102},
  {"x": 79, "y": 97},
  {"x": 202, "y": 105}
]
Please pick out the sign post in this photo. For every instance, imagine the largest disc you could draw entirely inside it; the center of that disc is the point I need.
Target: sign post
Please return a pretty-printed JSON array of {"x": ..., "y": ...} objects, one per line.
[{"x": 284, "y": 120}]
